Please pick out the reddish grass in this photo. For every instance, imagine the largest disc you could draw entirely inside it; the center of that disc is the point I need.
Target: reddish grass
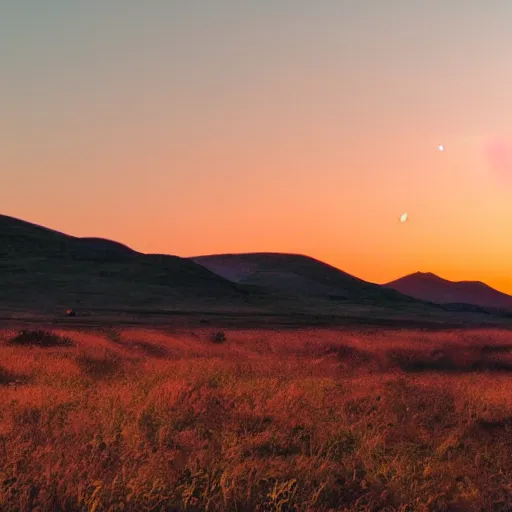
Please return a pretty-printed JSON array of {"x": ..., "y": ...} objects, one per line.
[{"x": 306, "y": 420}]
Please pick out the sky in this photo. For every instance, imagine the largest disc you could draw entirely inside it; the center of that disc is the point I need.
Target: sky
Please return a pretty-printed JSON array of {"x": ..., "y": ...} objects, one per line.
[{"x": 195, "y": 127}]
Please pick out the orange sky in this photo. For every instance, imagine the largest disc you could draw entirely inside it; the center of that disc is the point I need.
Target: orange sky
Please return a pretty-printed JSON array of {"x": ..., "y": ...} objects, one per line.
[{"x": 263, "y": 128}]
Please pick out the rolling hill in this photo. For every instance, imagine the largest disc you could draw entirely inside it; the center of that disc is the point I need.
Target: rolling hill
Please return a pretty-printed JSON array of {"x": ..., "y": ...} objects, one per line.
[
  {"x": 428, "y": 286},
  {"x": 43, "y": 268},
  {"x": 43, "y": 271},
  {"x": 298, "y": 276}
]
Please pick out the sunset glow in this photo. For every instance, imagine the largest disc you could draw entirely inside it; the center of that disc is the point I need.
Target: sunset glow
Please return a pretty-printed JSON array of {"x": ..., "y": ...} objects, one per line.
[{"x": 266, "y": 126}]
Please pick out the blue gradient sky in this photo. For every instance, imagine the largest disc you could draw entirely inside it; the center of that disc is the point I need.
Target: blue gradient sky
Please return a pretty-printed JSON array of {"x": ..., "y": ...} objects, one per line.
[{"x": 192, "y": 127}]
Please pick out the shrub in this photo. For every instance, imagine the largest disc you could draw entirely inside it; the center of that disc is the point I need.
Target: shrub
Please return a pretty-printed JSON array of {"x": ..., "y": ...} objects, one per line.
[
  {"x": 6, "y": 377},
  {"x": 112, "y": 334},
  {"x": 219, "y": 337},
  {"x": 40, "y": 338}
]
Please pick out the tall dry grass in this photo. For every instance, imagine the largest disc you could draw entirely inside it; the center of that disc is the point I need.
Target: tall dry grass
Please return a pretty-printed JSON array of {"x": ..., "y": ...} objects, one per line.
[{"x": 306, "y": 420}]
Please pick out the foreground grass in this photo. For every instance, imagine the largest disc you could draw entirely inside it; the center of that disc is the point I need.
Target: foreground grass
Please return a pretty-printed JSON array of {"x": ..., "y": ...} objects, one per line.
[{"x": 309, "y": 420}]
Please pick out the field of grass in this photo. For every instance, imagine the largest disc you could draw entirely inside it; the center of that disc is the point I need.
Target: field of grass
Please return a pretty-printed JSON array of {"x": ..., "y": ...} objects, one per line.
[{"x": 255, "y": 420}]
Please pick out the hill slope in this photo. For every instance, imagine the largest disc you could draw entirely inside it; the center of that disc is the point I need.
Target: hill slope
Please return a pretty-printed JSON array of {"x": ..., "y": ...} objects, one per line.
[
  {"x": 428, "y": 286},
  {"x": 298, "y": 275},
  {"x": 43, "y": 271},
  {"x": 44, "y": 268}
]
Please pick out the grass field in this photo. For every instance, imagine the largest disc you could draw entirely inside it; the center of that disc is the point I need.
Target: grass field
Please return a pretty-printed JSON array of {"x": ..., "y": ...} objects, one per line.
[{"x": 307, "y": 420}]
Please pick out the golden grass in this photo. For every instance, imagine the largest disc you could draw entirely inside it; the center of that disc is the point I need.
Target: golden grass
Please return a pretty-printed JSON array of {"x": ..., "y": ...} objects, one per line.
[{"x": 305, "y": 420}]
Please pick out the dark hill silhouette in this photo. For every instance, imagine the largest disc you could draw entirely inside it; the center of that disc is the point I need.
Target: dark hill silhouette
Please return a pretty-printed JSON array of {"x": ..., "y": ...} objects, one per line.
[
  {"x": 298, "y": 275},
  {"x": 428, "y": 286},
  {"x": 43, "y": 267},
  {"x": 43, "y": 271},
  {"x": 20, "y": 238}
]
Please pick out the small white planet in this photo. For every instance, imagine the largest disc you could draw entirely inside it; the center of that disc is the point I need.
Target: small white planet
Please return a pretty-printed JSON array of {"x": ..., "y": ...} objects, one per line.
[
  {"x": 440, "y": 147},
  {"x": 403, "y": 217}
]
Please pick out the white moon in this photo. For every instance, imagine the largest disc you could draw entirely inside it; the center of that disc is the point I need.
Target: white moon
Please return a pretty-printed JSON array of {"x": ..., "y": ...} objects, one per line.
[
  {"x": 403, "y": 217},
  {"x": 440, "y": 147}
]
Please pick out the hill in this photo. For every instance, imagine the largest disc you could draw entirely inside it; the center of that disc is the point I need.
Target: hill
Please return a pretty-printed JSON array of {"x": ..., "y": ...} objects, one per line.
[
  {"x": 45, "y": 269},
  {"x": 44, "y": 272},
  {"x": 428, "y": 286},
  {"x": 298, "y": 275}
]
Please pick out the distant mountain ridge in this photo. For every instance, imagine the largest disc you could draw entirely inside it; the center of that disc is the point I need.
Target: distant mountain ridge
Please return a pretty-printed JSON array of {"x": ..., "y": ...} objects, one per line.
[{"x": 430, "y": 287}]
